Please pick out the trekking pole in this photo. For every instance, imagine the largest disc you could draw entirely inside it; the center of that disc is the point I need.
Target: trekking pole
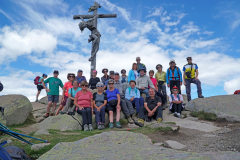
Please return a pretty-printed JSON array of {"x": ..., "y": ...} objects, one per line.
[{"x": 15, "y": 136}]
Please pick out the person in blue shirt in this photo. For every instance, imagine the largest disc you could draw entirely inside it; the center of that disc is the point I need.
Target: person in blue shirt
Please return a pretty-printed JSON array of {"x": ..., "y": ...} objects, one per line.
[
  {"x": 133, "y": 95},
  {"x": 174, "y": 76},
  {"x": 39, "y": 86},
  {"x": 71, "y": 94},
  {"x": 133, "y": 73},
  {"x": 80, "y": 76},
  {"x": 113, "y": 98},
  {"x": 124, "y": 80}
]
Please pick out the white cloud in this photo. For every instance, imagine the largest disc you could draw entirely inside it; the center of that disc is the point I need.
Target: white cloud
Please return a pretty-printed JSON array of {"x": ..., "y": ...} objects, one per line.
[
  {"x": 5, "y": 14},
  {"x": 232, "y": 85}
]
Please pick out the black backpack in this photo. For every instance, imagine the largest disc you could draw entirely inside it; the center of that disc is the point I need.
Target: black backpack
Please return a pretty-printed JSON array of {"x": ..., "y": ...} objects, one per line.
[
  {"x": 16, "y": 153},
  {"x": 1, "y": 87}
]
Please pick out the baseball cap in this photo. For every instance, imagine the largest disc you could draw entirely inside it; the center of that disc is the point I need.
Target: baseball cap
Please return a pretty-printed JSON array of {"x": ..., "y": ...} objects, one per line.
[
  {"x": 116, "y": 73},
  {"x": 111, "y": 72},
  {"x": 189, "y": 57},
  {"x": 56, "y": 71},
  {"x": 172, "y": 60},
  {"x": 79, "y": 70}
]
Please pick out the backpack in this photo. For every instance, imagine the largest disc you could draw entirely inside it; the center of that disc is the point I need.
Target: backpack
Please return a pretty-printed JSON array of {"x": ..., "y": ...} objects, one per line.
[
  {"x": 174, "y": 69},
  {"x": 237, "y": 92},
  {"x": 1, "y": 86},
  {"x": 3, "y": 153},
  {"x": 16, "y": 153},
  {"x": 130, "y": 90},
  {"x": 177, "y": 97},
  {"x": 36, "y": 80}
]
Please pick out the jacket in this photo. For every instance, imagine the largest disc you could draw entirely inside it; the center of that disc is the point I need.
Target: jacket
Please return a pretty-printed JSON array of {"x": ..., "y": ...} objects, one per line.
[
  {"x": 131, "y": 75},
  {"x": 144, "y": 81},
  {"x": 132, "y": 93},
  {"x": 173, "y": 75}
]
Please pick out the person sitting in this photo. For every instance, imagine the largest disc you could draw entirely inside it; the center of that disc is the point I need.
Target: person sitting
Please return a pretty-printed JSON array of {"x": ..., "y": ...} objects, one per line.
[
  {"x": 152, "y": 108},
  {"x": 161, "y": 79},
  {"x": 66, "y": 87},
  {"x": 84, "y": 106},
  {"x": 94, "y": 80},
  {"x": 40, "y": 86},
  {"x": 143, "y": 81},
  {"x": 133, "y": 95},
  {"x": 71, "y": 94},
  {"x": 124, "y": 80},
  {"x": 99, "y": 103},
  {"x": 106, "y": 83},
  {"x": 126, "y": 105},
  {"x": 176, "y": 101},
  {"x": 80, "y": 77},
  {"x": 133, "y": 73},
  {"x": 113, "y": 98},
  {"x": 105, "y": 77}
]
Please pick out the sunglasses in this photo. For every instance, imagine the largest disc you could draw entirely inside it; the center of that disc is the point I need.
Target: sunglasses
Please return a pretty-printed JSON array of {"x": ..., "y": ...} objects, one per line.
[
  {"x": 137, "y": 59},
  {"x": 84, "y": 85},
  {"x": 123, "y": 72},
  {"x": 111, "y": 83},
  {"x": 71, "y": 76},
  {"x": 175, "y": 90},
  {"x": 99, "y": 86},
  {"x": 189, "y": 59},
  {"x": 172, "y": 62},
  {"x": 105, "y": 71}
]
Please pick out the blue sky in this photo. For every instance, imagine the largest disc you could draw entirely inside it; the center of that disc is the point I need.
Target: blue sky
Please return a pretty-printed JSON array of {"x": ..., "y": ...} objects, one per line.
[{"x": 40, "y": 36}]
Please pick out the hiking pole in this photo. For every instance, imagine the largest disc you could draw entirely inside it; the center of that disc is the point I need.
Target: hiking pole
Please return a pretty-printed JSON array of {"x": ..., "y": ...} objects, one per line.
[{"x": 15, "y": 136}]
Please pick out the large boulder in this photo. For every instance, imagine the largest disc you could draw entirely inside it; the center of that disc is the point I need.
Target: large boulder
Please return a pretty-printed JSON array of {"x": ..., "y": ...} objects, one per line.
[
  {"x": 66, "y": 122},
  {"x": 226, "y": 106},
  {"x": 44, "y": 100},
  {"x": 17, "y": 109},
  {"x": 124, "y": 145}
]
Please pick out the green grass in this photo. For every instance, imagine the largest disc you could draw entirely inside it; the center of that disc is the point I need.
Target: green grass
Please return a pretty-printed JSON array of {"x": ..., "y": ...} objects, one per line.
[
  {"x": 204, "y": 115},
  {"x": 148, "y": 130},
  {"x": 170, "y": 123}
]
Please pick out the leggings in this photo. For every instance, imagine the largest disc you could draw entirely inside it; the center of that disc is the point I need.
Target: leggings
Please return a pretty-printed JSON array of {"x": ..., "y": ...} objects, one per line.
[{"x": 86, "y": 115}]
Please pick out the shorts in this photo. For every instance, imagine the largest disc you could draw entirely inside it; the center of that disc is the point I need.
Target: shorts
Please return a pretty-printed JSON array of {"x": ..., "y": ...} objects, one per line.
[
  {"x": 65, "y": 100},
  {"x": 39, "y": 87},
  {"x": 112, "y": 105},
  {"x": 53, "y": 98}
]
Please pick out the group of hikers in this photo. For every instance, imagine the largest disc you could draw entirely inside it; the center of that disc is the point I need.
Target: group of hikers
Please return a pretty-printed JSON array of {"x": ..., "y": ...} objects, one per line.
[{"x": 115, "y": 92}]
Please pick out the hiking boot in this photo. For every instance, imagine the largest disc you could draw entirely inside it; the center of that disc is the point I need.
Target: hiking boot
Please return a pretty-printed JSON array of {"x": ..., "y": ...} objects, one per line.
[
  {"x": 51, "y": 114},
  {"x": 99, "y": 126},
  {"x": 179, "y": 115},
  {"x": 85, "y": 127},
  {"x": 129, "y": 119},
  {"x": 175, "y": 114},
  {"x": 90, "y": 127},
  {"x": 140, "y": 122},
  {"x": 134, "y": 117},
  {"x": 102, "y": 125},
  {"x": 111, "y": 125},
  {"x": 200, "y": 96},
  {"x": 36, "y": 100},
  {"x": 46, "y": 116},
  {"x": 61, "y": 112},
  {"x": 118, "y": 125},
  {"x": 159, "y": 120}
]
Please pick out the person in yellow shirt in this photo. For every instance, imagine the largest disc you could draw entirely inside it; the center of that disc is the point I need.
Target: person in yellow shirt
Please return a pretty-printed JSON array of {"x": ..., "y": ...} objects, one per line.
[{"x": 160, "y": 76}]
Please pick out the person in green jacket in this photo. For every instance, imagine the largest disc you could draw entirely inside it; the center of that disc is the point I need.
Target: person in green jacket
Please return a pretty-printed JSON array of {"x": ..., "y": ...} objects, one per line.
[
  {"x": 160, "y": 76},
  {"x": 53, "y": 92}
]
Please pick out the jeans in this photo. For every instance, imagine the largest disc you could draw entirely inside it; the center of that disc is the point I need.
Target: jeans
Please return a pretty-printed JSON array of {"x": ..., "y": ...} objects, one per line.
[
  {"x": 175, "y": 83},
  {"x": 188, "y": 87},
  {"x": 144, "y": 112},
  {"x": 69, "y": 104},
  {"x": 100, "y": 116},
  {"x": 162, "y": 88},
  {"x": 138, "y": 102},
  {"x": 86, "y": 115},
  {"x": 176, "y": 108},
  {"x": 127, "y": 107},
  {"x": 144, "y": 91}
]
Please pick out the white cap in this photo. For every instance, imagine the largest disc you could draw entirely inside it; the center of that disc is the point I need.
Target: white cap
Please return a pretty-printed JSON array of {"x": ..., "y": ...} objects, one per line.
[{"x": 172, "y": 60}]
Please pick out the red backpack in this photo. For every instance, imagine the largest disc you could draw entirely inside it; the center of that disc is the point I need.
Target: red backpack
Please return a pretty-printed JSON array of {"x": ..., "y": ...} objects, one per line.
[
  {"x": 237, "y": 92},
  {"x": 36, "y": 80}
]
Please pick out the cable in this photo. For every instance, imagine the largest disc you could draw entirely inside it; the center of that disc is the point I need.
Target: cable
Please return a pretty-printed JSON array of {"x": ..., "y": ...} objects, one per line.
[{"x": 76, "y": 120}]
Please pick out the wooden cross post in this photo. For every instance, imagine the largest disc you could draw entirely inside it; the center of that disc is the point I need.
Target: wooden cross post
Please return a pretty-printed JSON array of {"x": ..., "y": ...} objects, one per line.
[{"x": 94, "y": 8}]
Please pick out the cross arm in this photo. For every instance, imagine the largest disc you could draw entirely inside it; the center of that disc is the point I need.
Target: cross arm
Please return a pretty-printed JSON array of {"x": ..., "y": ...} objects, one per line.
[{"x": 91, "y": 16}]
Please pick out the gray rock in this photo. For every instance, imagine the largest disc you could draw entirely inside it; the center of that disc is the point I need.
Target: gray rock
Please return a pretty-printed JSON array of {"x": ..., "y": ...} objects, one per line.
[
  {"x": 42, "y": 132},
  {"x": 36, "y": 147},
  {"x": 124, "y": 145},
  {"x": 158, "y": 144},
  {"x": 173, "y": 127},
  {"x": 174, "y": 144},
  {"x": 226, "y": 106},
  {"x": 17, "y": 109},
  {"x": 39, "y": 119},
  {"x": 36, "y": 115},
  {"x": 192, "y": 118}
]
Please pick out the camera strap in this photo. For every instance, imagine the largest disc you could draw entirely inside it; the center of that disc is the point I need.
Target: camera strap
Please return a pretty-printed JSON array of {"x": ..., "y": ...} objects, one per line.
[{"x": 77, "y": 120}]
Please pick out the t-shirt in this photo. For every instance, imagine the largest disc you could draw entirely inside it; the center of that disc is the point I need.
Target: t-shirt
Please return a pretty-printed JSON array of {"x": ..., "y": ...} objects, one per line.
[
  {"x": 67, "y": 86},
  {"x": 136, "y": 74},
  {"x": 154, "y": 81},
  {"x": 40, "y": 81},
  {"x": 73, "y": 92},
  {"x": 99, "y": 99},
  {"x": 112, "y": 94},
  {"x": 123, "y": 79},
  {"x": 93, "y": 82},
  {"x": 54, "y": 84},
  {"x": 187, "y": 68},
  {"x": 152, "y": 103},
  {"x": 84, "y": 100}
]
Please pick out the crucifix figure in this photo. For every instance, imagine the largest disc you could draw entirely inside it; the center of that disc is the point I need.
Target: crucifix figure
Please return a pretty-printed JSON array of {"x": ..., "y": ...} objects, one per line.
[{"x": 91, "y": 24}]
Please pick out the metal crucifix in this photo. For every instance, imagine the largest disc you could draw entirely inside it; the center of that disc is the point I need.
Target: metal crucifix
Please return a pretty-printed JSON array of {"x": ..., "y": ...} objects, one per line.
[{"x": 91, "y": 24}]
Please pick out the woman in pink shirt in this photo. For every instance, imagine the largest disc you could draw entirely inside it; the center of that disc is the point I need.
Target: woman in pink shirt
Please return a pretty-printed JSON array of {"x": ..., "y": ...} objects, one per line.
[
  {"x": 84, "y": 106},
  {"x": 66, "y": 87},
  {"x": 154, "y": 81},
  {"x": 176, "y": 101}
]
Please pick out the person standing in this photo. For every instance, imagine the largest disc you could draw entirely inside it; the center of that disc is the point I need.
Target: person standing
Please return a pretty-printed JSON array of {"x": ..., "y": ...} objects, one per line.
[
  {"x": 53, "y": 91},
  {"x": 190, "y": 75},
  {"x": 111, "y": 77},
  {"x": 174, "y": 76},
  {"x": 154, "y": 81},
  {"x": 94, "y": 80},
  {"x": 105, "y": 77},
  {"x": 140, "y": 65},
  {"x": 124, "y": 80},
  {"x": 161, "y": 79},
  {"x": 80, "y": 77},
  {"x": 133, "y": 73},
  {"x": 40, "y": 86}
]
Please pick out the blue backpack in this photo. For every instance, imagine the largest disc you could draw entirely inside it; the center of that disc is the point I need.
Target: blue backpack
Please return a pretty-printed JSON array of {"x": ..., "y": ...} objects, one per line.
[{"x": 3, "y": 153}]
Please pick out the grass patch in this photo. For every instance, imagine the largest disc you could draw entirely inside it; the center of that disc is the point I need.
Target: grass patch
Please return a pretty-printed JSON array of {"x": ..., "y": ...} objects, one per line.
[
  {"x": 204, "y": 115},
  {"x": 170, "y": 123},
  {"x": 148, "y": 130},
  {"x": 184, "y": 115},
  {"x": 123, "y": 121},
  {"x": 153, "y": 142}
]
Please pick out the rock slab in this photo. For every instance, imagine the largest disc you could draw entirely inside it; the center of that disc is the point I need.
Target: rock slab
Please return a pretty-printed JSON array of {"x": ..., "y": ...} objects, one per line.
[
  {"x": 42, "y": 132},
  {"x": 124, "y": 145},
  {"x": 36, "y": 147},
  {"x": 226, "y": 106},
  {"x": 17, "y": 109},
  {"x": 174, "y": 144}
]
